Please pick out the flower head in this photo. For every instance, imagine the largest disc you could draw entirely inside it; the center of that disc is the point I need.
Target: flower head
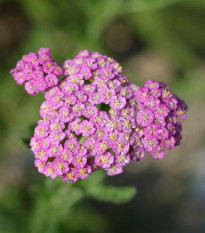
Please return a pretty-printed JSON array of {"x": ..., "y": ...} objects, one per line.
[
  {"x": 93, "y": 118},
  {"x": 38, "y": 72}
]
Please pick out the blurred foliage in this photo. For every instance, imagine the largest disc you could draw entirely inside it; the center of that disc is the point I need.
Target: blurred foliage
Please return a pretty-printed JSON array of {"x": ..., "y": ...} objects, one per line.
[
  {"x": 49, "y": 206},
  {"x": 173, "y": 28},
  {"x": 112, "y": 194}
]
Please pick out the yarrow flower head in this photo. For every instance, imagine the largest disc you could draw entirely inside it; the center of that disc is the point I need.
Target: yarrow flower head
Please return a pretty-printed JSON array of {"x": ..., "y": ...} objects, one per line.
[
  {"x": 37, "y": 71},
  {"x": 93, "y": 118}
]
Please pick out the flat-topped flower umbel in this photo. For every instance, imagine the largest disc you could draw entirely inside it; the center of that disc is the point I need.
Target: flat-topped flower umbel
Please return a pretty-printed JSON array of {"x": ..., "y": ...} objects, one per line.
[{"x": 93, "y": 118}]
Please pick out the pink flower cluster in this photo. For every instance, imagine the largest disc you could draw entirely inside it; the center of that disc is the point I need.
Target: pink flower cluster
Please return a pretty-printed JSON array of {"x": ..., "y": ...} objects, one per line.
[
  {"x": 93, "y": 118},
  {"x": 157, "y": 123},
  {"x": 38, "y": 72}
]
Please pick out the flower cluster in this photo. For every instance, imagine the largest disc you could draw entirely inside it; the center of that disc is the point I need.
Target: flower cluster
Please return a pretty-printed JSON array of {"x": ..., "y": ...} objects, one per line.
[
  {"x": 157, "y": 123},
  {"x": 38, "y": 72},
  {"x": 93, "y": 118}
]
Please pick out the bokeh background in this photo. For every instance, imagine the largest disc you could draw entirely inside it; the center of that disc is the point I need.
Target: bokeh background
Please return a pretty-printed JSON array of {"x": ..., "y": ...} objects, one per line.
[{"x": 158, "y": 39}]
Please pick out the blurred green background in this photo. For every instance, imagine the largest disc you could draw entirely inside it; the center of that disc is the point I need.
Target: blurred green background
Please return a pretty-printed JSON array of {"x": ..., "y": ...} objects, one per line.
[{"x": 158, "y": 39}]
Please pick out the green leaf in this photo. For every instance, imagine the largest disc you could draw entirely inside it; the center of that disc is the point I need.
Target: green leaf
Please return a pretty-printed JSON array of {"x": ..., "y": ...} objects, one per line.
[
  {"x": 25, "y": 142},
  {"x": 53, "y": 203},
  {"x": 116, "y": 195},
  {"x": 32, "y": 127},
  {"x": 94, "y": 179}
]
